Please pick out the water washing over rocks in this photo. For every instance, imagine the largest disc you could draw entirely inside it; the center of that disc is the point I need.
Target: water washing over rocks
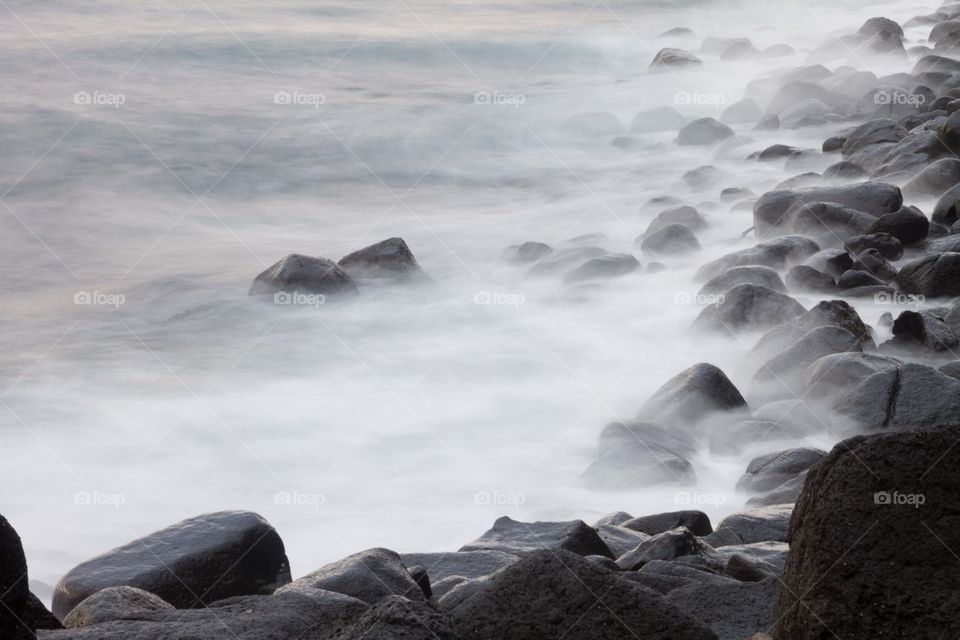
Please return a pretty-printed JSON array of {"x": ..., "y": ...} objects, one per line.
[{"x": 681, "y": 360}]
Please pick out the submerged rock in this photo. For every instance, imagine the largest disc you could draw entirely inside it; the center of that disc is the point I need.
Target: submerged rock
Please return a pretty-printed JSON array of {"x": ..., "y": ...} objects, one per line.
[
  {"x": 704, "y": 131},
  {"x": 389, "y": 260},
  {"x": 771, "y": 470},
  {"x": 304, "y": 274},
  {"x": 748, "y": 307},
  {"x": 672, "y": 59},
  {"x": 692, "y": 395},
  {"x": 604, "y": 267}
]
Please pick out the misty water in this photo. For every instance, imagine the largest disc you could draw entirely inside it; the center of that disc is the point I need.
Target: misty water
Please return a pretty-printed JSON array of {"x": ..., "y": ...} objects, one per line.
[{"x": 154, "y": 157}]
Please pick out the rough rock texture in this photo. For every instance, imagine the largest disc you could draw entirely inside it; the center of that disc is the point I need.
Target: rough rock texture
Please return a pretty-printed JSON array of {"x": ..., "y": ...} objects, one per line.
[
  {"x": 867, "y": 559},
  {"x": 114, "y": 603},
  {"x": 518, "y": 538},
  {"x": 764, "y": 524},
  {"x": 733, "y": 611},
  {"x": 696, "y": 521},
  {"x": 189, "y": 564},
  {"x": 551, "y": 593},
  {"x": 303, "y": 274},
  {"x": 769, "y": 471},
  {"x": 368, "y": 576}
]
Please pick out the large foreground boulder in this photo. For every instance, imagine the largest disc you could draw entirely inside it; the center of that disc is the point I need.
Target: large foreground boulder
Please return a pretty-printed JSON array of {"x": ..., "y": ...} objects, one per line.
[
  {"x": 303, "y": 274},
  {"x": 552, "y": 594},
  {"x": 189, "y": 564},
  {"x": 872, "y": 542}
]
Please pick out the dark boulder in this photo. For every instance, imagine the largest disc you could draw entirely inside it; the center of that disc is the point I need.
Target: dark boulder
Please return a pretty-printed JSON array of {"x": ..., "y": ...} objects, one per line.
[
  {"x": 388, "y": 260},
  {"x": 672, "y": 240},
  {"x": 779, "y": 254},
  {"x": 114, "y": 603},
  {"x": 908, "y": 225},
  {"x": 934, "y": 276},
  {"x": 830, "y": 224},
  {"x": 21, "y": 613},
  {"x": 786, "y": 493},
  {"x": 855, "y": 278},
  {"x": 669, "y": 59},
  {"x": 922, "y": 329},
  {"x": 870, "y": 540},
  {"x": 468, "y": 564},
  {"x": 668, "y": 545},
  {"x": 696, "y": 521},
  {"x": 844, "y": 171},
  {"x": 685, "y": 215},
  {"x": 909, "y": 397},
  {"x": 556, "y": 593},
  {"x": 764, "y": 276},
  {"x": 826, "y": 313},
  {"x": 771, "y": 470},
  {"x": 806, "y": 279},
  {"x": 735, "y": 611},
  {"x": 888, "y": 246},
  {"x": 946, "y": 210},
  {"x": 775, "y": 210},
  {"x": 934, "y": 179},
  {"x": 692, "y": 395},
  {"x": 874, "y": 132},
  {"x": 764, "y": 524},
  {"x": 835, "y": 374},
  {"x": 527, "y": 253},
  {"x": 368, "y": 576},
  {"x": 603, "y": 268},
  {"x": 619, "y": 539},
  {"x": 786, "y": 370},
  {"x": 519, "y": 538},
  {"x": 189, "y": 564},
  {"x": 748, "y": 307},
  {"x": 703, "y": 131},
  {"x": 303, "y": 274}
]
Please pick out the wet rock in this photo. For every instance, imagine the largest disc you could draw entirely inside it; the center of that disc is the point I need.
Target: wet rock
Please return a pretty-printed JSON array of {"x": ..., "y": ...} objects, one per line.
[
  {"x": 936, "y": 275},
  {"x": 748, "y": 307},
  {"x": 21, "y": 613},
  {"x": 860, "y": 559},
  {"x": 946, "y": 211},
  {"x": 114, "y": 603},
  {"x": 467, "y": 564},
  {"x": 640, "y": 455},
  {"x": 871, "y": 133},
  {"x": 396, "y": 618},
  {"x": 833, "y": 144},
  {"x": 775, "y": 210},
  {"x": 872, "y": 262},
  {"x": 908, "y": 225},
  {"x": 829, "y": 223},
  {"x": 854, "y": 278},
  {"x": 685, "y": 215},
  {"x": 912, "y": 396},
  {"x": 835, "y": 374},
  {"x": 703, "y": 131},
  {"x": 733, "y": 612},
  {"x": 519, "y": 538},
  {"x": 764, "y": 276},
  {"x": 885, "y": 244},
  {"x": 668, "y": 545},
  {"x": 935, "y": 179},
  {"x": 605, "y": 267},
  {"x": 216, "y": 555},
  {"x": 771, "y": 470},
  {"x": 615, "y": 518},
  {"x": 368, "y": 576},
  {"x": 546, "y": 592},
  {"x": 844, "y": 171},
  {"x": 304, "y": 274},
  {"x": 673, "y": 59},
  {"x": 923, "y": 330},
  {"x": 696, "y": 521},
  {"x": 389, "y": 260},
  {"x": 826, "y": 313},
  {"x": 777, "y": 152},
  {"x": 786, "y": 493},
  {"x": 657, "y": 120},
  {"x": 619, "y": 539},
  {"x": 692, "y": 395},
  {"x": 931, "y": 62},
  {"x": 764, "y": 524},
  {"x": 672, "y": 240},
  {"x": 806, "y": 279},
  {"x": 527, "y": 253},
  {"x": 777, "y": 254},
  {"x": 786, "y": 370}
]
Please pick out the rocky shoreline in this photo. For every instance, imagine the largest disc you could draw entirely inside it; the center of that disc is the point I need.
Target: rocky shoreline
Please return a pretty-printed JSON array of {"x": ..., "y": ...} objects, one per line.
[{"x": 857, "y": 542}]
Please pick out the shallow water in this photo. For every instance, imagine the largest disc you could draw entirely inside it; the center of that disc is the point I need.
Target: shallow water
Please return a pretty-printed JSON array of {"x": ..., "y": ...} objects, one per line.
[{"x": 158, "y": 156}]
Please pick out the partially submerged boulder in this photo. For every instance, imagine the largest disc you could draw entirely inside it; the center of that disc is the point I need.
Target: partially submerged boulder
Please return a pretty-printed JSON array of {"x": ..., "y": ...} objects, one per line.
[
  {"x": 303, "y": 274},
  {"x": 390, "y": 260},
  {"x": 519, "y": 538}
]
